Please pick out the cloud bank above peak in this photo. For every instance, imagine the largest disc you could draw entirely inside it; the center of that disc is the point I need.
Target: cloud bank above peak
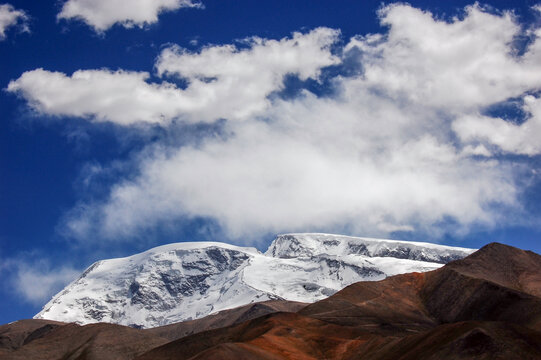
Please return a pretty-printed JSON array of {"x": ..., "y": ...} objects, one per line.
[
  {"x": 403, "y": 144},
  {"x": 103, "y": 14}
]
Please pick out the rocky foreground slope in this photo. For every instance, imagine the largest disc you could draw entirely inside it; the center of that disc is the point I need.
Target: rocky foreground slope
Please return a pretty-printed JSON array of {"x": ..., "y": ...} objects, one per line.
[
  {"x": 188, "y": 281},
  {"x": 486, "y": 306}
]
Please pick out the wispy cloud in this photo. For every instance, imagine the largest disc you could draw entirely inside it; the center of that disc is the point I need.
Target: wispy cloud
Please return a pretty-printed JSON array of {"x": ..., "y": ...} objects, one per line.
[{"x": 34, "y": 279}]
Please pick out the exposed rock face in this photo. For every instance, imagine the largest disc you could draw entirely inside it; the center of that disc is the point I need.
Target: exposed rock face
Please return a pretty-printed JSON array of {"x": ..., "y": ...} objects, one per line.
[
  {"x": 301, "y": 245},
  {"x": 187, "y": 281}
]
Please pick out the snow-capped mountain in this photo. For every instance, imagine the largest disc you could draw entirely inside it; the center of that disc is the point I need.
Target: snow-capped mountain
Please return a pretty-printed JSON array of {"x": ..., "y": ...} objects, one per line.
[{"x": 185, "y": 281}]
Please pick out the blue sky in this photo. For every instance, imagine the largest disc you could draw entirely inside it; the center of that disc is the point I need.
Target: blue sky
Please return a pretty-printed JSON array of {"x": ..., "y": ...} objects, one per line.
[{"x": 234, "y": 121}]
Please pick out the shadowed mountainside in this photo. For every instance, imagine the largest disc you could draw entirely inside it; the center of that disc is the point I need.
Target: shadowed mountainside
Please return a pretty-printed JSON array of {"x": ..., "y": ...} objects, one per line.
[
  {"x": 274, "y": 336},
  {"x": 46, "y": 339},
  {"x": 19, "y": 333},
  {"x": 225, "y": 318},
  {"x": 95, "y": 341},
  {"x": 485, "y": 306}
]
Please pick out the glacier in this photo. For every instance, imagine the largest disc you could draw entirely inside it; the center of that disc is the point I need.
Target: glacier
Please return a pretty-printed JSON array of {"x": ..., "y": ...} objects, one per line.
[{"x": 190, "y": 280}]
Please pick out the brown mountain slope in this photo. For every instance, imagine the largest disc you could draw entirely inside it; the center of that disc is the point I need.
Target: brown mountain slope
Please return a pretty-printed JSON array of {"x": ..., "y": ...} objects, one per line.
[
  {"x": 19, "y": 333},
  {"x": 35, "y": 339},
  {"x": 290, "y": 336},
  {"x": 225, "y": 318},
  {"x": 389, "y": 307},
  {"x": 483, "y": 286},
  {"x": 496, "y": 283},
  {"x": 451, "y": 296},
  {"x": 89, "y": 342},
  {"x": 274, "y": 336},
  {"x": 504, "y": 265},
  {"x": 463, "y": 340}
]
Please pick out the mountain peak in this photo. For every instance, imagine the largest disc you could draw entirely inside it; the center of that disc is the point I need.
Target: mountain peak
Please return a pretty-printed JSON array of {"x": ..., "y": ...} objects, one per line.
[
  {"x": 498, "y": 250},
  {"x": 504, "y": 265},
  {"x": 186, "y": 281},
  {"x": 314, "y": 244},
  {"x": 446, "y": 313}
]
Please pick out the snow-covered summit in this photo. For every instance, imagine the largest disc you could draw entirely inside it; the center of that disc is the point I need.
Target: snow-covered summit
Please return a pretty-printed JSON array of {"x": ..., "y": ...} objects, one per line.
[
  {"x": 184, "y": 281},
  {"x": 299, "y": 245}
]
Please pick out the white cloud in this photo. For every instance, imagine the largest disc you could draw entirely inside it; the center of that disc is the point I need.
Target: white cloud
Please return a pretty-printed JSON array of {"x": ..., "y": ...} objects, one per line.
[
  {"x": 477, "y": 150},
  {"x": 238, "y": 90},
  {"x": 37, "y": 286},
  {"x": 378, "y": 156},
  {"x": 457, "y": 66},
  {"x": 101, "y": 95},
  {"x": 102, "y": 14},
  {"x": 35, "y": 282},
  {"x": 9, "y": 17},
  {"x": 310, "y": 167},
  {"x": 509, "y": 137},
  {"x": 234, "y": 84},
  {"x": 272, "y": 183}
]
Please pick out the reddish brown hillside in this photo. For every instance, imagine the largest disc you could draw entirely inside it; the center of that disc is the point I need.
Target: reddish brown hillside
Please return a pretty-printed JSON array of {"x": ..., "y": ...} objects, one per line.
[
  {"x": 274, "y": 336},
  {"x": 225, "y": 318},
  {"x": 19, "y": 333},
  {"x": 89, "y": 342},
  {"x": 463, "y": 340},
  {"x": 391, "y": 306},
  {"x": 484, "y": 286},
  {"x": 504, "y": 265}
]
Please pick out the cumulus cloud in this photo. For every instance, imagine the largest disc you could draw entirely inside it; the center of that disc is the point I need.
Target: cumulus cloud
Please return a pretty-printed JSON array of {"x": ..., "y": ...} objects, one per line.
[
  {"x": 457, "y": 66},
  {"x": 102, "y": 14},
  {"x": 229, "y": 83},
  {"x": 119, "y": 96},
  {"x": 378, "y": 155},
  {"x": 9, "y": 17},
  {"x": 223, "y": 82}
]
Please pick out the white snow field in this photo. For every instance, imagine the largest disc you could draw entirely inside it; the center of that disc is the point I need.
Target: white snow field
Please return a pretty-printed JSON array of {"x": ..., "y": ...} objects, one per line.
[{"x": 186, "y": 281}]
